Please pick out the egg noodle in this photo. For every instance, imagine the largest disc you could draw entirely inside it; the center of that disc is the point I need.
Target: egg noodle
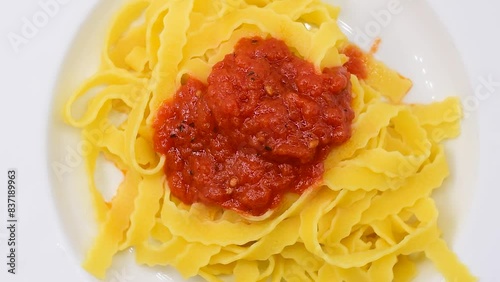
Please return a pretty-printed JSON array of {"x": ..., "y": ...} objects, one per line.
[{"x": 372, "y": 217}]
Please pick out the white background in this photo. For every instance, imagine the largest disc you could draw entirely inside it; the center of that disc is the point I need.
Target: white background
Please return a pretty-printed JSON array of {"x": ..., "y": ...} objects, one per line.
[{"x": 27, "y": 80}]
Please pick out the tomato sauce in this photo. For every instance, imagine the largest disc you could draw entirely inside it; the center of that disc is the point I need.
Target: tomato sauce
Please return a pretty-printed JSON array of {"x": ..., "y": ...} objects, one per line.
[
  {"x": 357, "y": 61},
  {"x": 260, "y": 127}
]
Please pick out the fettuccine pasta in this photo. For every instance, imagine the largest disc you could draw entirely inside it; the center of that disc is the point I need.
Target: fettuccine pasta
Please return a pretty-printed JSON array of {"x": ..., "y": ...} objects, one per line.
[{"x": 366, "y": 220}]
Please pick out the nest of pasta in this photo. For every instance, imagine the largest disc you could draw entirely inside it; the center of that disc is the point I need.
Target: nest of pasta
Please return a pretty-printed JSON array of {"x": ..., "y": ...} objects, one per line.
[{"x": 365, "y": 221}]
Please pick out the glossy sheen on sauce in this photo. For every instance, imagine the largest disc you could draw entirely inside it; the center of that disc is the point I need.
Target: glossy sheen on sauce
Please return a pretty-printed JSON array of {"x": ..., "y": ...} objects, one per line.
[{"x": 261, "y": 127}]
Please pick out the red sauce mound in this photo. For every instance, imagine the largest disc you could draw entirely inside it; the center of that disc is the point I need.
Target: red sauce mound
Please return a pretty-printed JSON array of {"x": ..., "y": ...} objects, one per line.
[{"x": 260, "y": 128}]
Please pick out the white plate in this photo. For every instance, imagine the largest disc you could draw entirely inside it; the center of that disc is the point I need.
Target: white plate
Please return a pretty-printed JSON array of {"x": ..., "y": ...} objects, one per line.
[{"x": 61, "y": 48}]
